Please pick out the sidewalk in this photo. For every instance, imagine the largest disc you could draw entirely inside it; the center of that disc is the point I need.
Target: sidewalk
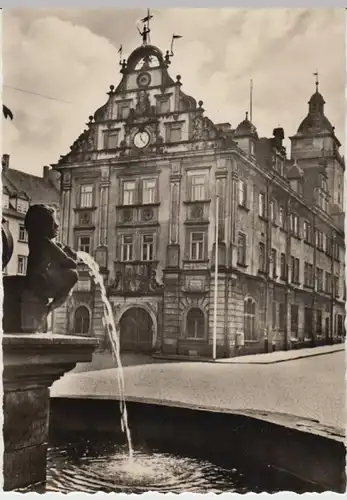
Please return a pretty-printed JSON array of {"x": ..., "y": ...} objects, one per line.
[
  {"x": 259, "y": 359},
  {"x": 281, "y": 356}
]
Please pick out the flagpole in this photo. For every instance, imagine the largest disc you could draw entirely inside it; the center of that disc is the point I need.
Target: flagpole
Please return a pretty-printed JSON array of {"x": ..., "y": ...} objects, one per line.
[
  {"x": 251, "y": 101},
  {"x": 214, "y": 347}
]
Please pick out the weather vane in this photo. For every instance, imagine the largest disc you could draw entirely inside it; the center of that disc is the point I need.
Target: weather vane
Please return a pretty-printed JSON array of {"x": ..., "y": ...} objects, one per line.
[
  {"x": 174, "y": 37},
  {"x": 317, "y": 81},
  {"x": 146, "y": 29}
]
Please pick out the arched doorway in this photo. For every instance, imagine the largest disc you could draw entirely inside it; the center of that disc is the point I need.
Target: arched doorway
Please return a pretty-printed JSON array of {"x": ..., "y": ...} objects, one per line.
[
  {"x": 136, "y": 330},
  {"x": 81, "y": 320}
]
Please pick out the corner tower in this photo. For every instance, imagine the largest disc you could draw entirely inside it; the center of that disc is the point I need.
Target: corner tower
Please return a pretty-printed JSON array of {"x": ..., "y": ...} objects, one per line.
[{"x": 315, "y": 145}]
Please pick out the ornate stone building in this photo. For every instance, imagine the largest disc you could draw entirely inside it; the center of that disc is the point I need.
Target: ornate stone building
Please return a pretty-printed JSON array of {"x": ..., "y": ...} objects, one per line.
[{"x": 139, "y": 190}]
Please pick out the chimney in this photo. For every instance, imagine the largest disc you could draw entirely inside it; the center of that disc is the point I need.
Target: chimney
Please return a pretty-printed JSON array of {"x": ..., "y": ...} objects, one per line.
[
  {"x": 5, "y": 162},
  {"x": 278, "y": 134},
  {"x": 46, "y": 173}
]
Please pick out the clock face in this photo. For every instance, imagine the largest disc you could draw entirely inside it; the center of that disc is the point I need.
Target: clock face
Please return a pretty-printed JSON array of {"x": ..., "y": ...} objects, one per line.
[
  {"x": 144, "y": 79},
  {"x": 141, "y": 139}
]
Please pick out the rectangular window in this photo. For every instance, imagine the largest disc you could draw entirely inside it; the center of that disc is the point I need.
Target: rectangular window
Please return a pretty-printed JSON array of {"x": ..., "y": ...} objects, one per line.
[
  {"x": 319, "y": 240},
  {"x": 149, "y": 191},
  {"x": 295, "y": 269},
  {"x": 197, "y": 187},
  {"x": 196, "y": 246},
  {"x": 261, "y": 257},
  {"x": 5, "y": 200},
  {"x": 127, "y": 248},
  {"x": 242, "y": 193},
  {"x": 282, "y": 217},
  {"x": 174, "y": 133},
  {"x": 307, "y": 232},
  {"x": 164, "y": 106},
  {"x": 147, "y": 247},
  {"x": 282, "y": 317},
  {"x": 320, "y": 281},
  {"x": 273, "y": 210},
  {"x": 123, "y": 111},
  {"x": 241, "y": 249},
  {"x": 328, "y": 245},
  {"x": 274, "y": 263},
  {"x": 84, "y": 244},
  {"x": 129, "y": 193},
  {"x": 336, "y": 251},
  {"x": 22, "y": 261},
  {"x": 111, "y": 140},
  {"x": 294, "y": 225},
  {"x": 23, "y": 235},
  {"x": 86, "y": 195},
  {"x": 294, "y": 320},
  {"x": 328, "y": 283},
  {"x": 336, "y": 286},
  {"x": 261, "y": 203},
  {"x": 308, "y": 274},
  {"x": 283, "y": 274}
]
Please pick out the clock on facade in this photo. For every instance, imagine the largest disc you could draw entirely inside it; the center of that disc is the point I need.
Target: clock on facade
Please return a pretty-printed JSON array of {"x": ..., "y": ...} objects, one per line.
[
  {"x": 144, "y": 79},
  {"x": 141, "y": 139}
]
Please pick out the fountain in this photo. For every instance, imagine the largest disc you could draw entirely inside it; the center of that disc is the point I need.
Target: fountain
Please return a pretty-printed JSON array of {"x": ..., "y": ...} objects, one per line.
[{"x": 32, "y": 361}]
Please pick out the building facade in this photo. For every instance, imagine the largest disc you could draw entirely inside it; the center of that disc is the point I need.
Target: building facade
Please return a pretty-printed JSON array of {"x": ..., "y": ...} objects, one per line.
[{"x": 149, "y": 184}]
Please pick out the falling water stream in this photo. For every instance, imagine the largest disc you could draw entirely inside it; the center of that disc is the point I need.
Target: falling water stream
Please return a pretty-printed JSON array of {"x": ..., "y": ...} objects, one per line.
[{"x": 113, "y": 335}]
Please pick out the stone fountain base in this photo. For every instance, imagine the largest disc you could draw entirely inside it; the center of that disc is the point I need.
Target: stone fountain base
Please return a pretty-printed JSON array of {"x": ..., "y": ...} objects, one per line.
[{"x": 31, "y": 363}]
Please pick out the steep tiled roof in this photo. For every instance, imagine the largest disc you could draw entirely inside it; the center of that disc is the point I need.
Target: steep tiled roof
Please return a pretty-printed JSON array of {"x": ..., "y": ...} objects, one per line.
[{"x": 38, "y": 189}]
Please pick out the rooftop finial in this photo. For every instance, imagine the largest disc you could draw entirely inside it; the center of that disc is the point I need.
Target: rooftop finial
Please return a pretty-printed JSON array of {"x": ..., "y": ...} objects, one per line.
[
  {"x": 317, "y": 81},
  {"x": 146, "y": 29},
  {"x": 247, "y": 115}
]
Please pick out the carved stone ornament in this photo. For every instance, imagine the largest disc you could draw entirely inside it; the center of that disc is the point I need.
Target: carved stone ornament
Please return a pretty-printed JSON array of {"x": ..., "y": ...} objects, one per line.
[
  {"x": 85, "y": 218},
  {"x": 147, "y": 214},
  {"x": 203, "y": 128},
  {"x": 143, "y": 106},
  {"x": 127, "y": 215},
  {"x": 67, "y": 177},
  {"x": 197, "y": 211}
]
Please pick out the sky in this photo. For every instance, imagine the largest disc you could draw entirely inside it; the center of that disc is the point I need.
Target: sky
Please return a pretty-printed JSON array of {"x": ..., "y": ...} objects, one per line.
[{"x": 72, "y": 55}]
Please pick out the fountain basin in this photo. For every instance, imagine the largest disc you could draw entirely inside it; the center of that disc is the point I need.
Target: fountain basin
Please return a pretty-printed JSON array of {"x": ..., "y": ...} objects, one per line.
[
  {"x": 31, "y": 363},
  {"x": 311, "y": 456}
]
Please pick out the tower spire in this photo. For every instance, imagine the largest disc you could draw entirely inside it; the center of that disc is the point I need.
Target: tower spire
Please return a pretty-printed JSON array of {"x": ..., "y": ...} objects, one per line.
[{"x": 317, "y": 81}]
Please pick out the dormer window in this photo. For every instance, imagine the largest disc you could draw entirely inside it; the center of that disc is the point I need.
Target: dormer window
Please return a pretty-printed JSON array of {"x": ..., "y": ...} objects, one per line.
[{"x": 22, "y": 206}]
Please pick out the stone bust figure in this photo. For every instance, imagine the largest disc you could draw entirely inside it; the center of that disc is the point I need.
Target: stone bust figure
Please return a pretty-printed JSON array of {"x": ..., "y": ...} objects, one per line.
[{"x": 51, "y": 270}]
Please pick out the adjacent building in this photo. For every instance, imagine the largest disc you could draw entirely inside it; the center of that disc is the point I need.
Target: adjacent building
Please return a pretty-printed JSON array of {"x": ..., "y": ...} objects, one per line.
[{"x": 149, "y": 184}]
